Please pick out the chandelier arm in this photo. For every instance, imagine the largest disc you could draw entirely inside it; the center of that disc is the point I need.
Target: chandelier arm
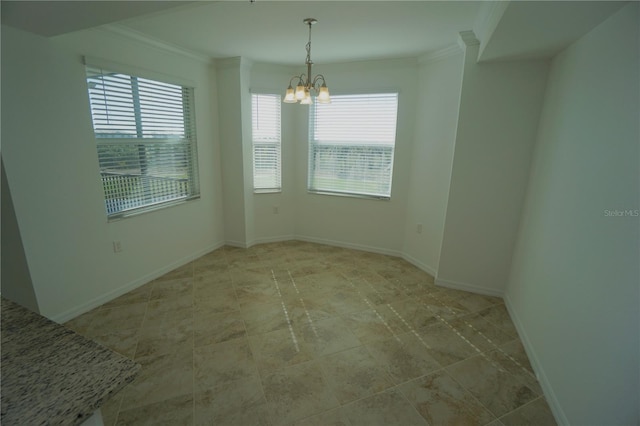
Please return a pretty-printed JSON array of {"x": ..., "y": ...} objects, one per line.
[
  {"x": 293, "y": 78},
  {"x": 316, "y": 79}
]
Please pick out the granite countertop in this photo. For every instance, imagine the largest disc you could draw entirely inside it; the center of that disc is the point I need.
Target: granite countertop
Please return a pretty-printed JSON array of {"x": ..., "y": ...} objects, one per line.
[{"x": 50, "y": 374}]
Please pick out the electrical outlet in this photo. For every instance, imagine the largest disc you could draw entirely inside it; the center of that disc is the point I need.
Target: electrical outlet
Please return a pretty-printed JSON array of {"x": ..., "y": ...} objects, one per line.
[
  {"x": 117, "y": 247},
  {"x": 276, "y": 209},
  {"x": 419, "y": 228}
]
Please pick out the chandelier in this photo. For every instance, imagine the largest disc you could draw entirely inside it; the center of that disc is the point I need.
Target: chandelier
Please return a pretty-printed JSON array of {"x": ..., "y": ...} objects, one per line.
[{"x": 306, "y": 84}]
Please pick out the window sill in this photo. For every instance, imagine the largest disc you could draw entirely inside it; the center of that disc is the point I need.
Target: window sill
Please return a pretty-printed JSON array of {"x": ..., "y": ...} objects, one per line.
[
  {"x": 348, "y": 195},
  {"x": 267, "y": 191},
  {"x": 148, "y": 209}
]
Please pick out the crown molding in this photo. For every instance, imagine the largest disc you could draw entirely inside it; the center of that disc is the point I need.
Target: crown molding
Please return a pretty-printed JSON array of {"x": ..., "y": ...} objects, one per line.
[
  {"x": 134, "y": 35},
  {"x": 467, "y": 39},
  {"x": 234, "y": 62},
  {"x": 437, "y": 55},
  {"x": 489, "y": 16}
]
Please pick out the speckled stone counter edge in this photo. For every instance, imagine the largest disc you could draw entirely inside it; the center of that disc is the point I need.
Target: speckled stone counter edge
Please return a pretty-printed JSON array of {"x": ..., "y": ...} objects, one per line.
[{"x": 50, "y": 374}]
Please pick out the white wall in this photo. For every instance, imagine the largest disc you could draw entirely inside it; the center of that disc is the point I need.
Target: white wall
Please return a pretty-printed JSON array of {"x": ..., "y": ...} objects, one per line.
[
  {"x": 499, "y": 109},
  {"x": 352, "y": 222},
  {"x": 270, "y": 226},
  {"x": 16, "y": 279},
  {"x": 233, "y": 85},
  {"x": 574, "y": 285},
  {"x": 51, "y": 164},
  {"x": 439, "y": 84},
  {"x": 355, "y": 222}
]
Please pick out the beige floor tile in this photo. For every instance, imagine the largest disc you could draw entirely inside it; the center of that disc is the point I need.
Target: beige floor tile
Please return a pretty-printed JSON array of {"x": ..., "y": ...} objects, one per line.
[
  {"x": 328, "y": 336},
  {"x": 388, "y": 408},
  {"x": 125, "y": 317},
  {"x": 370, "y": 325},
  {"x": 258, "y": 293},
  {"x": 477, "y": 302},
  {"x": 110, "y": 410},
  {"x": 512, "y": 357},
  {"x": 172, "y": 288},
  {"x": 482, "y": 334},
  {"x": 82, "y": 323},
  {"x": 307, "y": 310},
  {"x": 354, "y": 374},
  {"x": 185, "y": 271},
  {"x": 445, "y": 309},
  {"x": 445, "y": 345},
  {"x": 205, "y": 278},
  {"x": 405, "y": 357},
  {"x": 210, "y": 328},
  {"x": 410, "y": 313},
  {"x": 536, "y": 412},
  {"x": 210, "y": 260},
  {"x": 174, "y": 411},
  {"x": 442, "y": 401},
  {"x": 122, "y": 341},
  {"x": 240, "y": 402},
  {"x": 244, "y": 277},
  {"x": 223, "y": 300},
  {"x": 497, "y": 389},
  {"x": 265, "y": 318},
  {"x": 222, "y": 363},
  {"x": 346, "y": 301},
  {"x": 221, "y": 342},
  {"x": 163, "y": 376},
  {"x": 169, "y": 313},
  {"x": 296, "y": 392},
  {"x": 160, "y": 340},
  {"x": 278, "y": 349},
  {"x": 498, "y": 316},
  {"x": 335, "y": 417},
  {"x": 140, "y": 294}
]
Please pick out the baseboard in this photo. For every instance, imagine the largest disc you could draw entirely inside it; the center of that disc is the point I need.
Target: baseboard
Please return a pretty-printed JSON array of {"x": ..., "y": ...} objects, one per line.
[
  {"x": 418, "y": 264},
  {"x": 233, "y": 243},
  {"x": 549, "y": 394},
  {"x": 107, "y": 297},
  {"x": 270, "y": 240},
  {"x": 469, "y": 287},
  {"x": 343, "y": 244}
]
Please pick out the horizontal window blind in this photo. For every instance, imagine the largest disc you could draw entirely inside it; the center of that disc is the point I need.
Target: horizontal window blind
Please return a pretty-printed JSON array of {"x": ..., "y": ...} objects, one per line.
[
  {"x": 146, "y": 142},
  {"x": 265, "y": 114},
  {"x": 351, "y": 145}
]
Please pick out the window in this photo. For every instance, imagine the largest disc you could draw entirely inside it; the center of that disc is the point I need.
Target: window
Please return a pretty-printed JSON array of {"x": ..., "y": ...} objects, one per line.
[
  {"x": 351, "y": 145},
  {"x": 265, "y": 113},
  {"x": 146, "y": 140}
]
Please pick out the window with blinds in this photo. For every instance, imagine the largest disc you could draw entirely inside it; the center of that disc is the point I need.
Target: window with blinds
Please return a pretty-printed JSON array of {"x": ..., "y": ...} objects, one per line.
[
  {"x": 265, "y": 119},
  {"x": 146, "y": 141},
  {"x": 351, "y": 145}
]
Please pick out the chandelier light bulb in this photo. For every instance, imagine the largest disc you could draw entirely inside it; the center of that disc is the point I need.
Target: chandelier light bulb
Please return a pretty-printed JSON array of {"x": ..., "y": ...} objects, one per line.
[
  {"x": 290, "y": 96},
  {"x": 323, "y": 95}
]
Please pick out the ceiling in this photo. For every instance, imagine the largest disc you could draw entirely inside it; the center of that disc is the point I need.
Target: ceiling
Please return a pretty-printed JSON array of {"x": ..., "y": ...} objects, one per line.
[{"x": 272, "y": 31}]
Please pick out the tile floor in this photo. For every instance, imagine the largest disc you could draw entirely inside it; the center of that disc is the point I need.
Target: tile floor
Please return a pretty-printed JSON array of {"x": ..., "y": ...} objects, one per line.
[{"x": 297, "y": 333}]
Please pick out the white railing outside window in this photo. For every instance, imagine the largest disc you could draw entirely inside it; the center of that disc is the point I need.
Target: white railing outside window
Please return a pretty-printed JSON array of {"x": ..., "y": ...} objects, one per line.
[{"x": 146, "y": 141}]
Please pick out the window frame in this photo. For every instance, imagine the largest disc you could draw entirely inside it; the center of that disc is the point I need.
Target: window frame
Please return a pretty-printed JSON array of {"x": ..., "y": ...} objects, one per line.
[
  {"x": 312, "y": 144},
  {"x": 276, "y": 98},
  {"x": 186, "y": 146}
]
